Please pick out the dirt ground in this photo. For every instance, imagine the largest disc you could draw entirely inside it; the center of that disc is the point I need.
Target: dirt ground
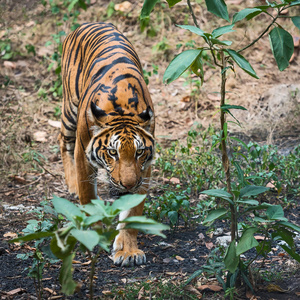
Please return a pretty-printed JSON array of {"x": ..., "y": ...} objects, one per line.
[{"x": 30, "y": 163}]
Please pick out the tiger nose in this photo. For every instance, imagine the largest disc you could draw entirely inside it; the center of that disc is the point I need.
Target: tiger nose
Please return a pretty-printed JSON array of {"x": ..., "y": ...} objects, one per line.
[{"x": 128, "y": 185}]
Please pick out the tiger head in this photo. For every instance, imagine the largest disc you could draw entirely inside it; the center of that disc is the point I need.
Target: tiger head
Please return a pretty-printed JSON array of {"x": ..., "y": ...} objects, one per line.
[{"x": 123, "y": 146}]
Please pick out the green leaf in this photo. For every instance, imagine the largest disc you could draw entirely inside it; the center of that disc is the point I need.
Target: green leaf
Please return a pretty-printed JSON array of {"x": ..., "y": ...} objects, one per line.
[
  {"x": 147, "y": 8},
  {"x": 231, "y": 259},
  {"x": 275, "y": 212},
  {"x": 60, "y": 253},
  {"x": 252, "y": 190},
  {"x": 89, "y": 238},
  {"x": 290, "y": 225},
  {"x": 96, "y": 207},
  {"x": 291, "y": 252},
  {"x": 245, "y": 13},
  {"x": 68, "y": 285},
  {"x": 242, "y": 62},
  {"x": 173, "y": 216},
  {"x": 222, "y": 30},
  {"x": 215, "y": 214},
  {"x": 180, "y": 64},
  {"x": 66, "y": 208},
  {"x": 218, "y": 8},
  {"x": 297, "y": 2},
  {"x": 218, "y": 193},
  {"x": 32, "y": 236},
  {"x": 194, "y": 275},
  {"x": 218, "y": 42},
  {"x": 247, "y": 241},
  {"x": 226, "y": 107},
  {"x": 281, "y": 233},
  {"x": 296, "y": 21},
  {"x": 193, "y": 29},
  {"x": 172, "y": 2},
  {"x": 197, "y": 67},
  {"x": 282, "y": 46},
  {"x": 151, "y": 227},
  {"x": 248, "y": 201},
  {"x": 127, "y": 202}
]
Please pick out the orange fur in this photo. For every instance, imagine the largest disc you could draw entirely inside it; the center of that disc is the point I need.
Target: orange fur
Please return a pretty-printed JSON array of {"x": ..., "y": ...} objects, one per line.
[{"x": 107, "y": 121}]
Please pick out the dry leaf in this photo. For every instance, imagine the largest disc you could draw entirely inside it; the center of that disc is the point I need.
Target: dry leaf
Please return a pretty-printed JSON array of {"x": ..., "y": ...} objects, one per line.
[
  {"x": 86, "y": 263},
  {"x": 201, "y": 236},
  {"x": 124, "y": 6},
  {"x": 186, "y": 99},
  {"x": 9, "y": 64},
  {"x": 193, "y": 290},
  {"x": 141, "y": 292},
  {"x": 50, "y": 291},
  {"x": 40, "y": 136},
  {"x": 170, "y": 273},
  {"x": 106, "y": 292},
  {"x": 124, "y": 280},
  {"x": 212, "y": 287},
  {"x": 15, "y": 291},
  {"x": 30, "y": 23},
  {"x": 214, "y": 97},
  {"x": 166, "y": 260},
  {"x": 209, "y": 245},
  {"x": 56, "y": 124},
  {"x": 76, "y": 262},
  {"x": 175, "y": 180},
  {"x": 275, "y": 288},
  {"x": 270, "y": 185},
  {"x": 10, "y": 235},
  {"x": 192, "y": 250},
  {"x": 179, "y": 258}
]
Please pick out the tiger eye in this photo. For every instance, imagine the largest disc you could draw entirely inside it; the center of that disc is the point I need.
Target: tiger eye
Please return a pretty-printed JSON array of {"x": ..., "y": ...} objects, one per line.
[
  {"x": 112, "y": 152},
  {"x": 139, "y": 151}
]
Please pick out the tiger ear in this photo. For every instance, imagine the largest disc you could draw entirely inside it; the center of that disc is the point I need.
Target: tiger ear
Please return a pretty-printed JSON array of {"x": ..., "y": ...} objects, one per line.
[
  {"x": 147, "y": 117},
  {"x": 98, "y": 113}
]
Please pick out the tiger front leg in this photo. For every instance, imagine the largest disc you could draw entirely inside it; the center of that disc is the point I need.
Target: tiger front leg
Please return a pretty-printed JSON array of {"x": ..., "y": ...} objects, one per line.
[
  {"x": 125, "y": 249},
  {"x": 86, "y": 181}
]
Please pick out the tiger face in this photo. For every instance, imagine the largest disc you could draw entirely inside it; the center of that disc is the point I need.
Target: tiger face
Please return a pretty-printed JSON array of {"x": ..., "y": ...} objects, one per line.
[{"x": 124, "y": 149}]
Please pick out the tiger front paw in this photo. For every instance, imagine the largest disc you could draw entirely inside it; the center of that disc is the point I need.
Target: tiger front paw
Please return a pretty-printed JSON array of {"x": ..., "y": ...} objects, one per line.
[{"x": 129, "y": 258}]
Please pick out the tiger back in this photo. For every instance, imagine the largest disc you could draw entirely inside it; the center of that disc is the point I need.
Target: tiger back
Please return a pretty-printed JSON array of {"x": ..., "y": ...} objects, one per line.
[{"x": 107, "y": 122}]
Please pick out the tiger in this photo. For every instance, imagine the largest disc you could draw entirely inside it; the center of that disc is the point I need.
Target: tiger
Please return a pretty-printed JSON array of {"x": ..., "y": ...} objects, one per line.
[{"x": 107, "y": 122}]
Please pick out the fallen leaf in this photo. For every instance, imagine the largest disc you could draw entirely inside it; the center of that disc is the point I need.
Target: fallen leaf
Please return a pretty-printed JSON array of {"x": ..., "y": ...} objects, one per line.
[
  {"x": 30, "y": 23},
  {"x": 201, "y": 236},
  {"x": 50, "y": 291},
  {"x": 193, "y": 290},
  {"x": 175, "y": 180},
  {"x": 141, "y": 292},
  {"x": 15, "y": 291},
  {"x": 186, "y": 99},
  {"x": 106, "y": 292},
  {"x": 124, "y": 280},
  {"x": 209, "y": 245},
  {"x": 86, "y": 263},
  {"x": 170, "y": 273},
  {"x": 166, "y": 260},
  {"x": 275, "y": 288},
  {"x": 192, "y": 250},
  {"x": 270, "y": 185},
  {"x": 20, "y": 179},
  {"x": 9, "y": 64},
  {"x": 214, "y": 97},
  {"x": 40, "y": 136},
  {"x": 212, "y": 287},
  {"x": 124, "y": 6},
  {"x": 10, "y": 235},
  {"x": 179, "y": 258},
  {"x": 56, "y": 124},
  {"x": 76, "y": 262}
]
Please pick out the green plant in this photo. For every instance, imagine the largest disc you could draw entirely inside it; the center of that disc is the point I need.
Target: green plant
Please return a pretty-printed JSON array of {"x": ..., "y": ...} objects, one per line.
[
  {"x": 238, "y": 196},
  {"x": 6, "y": 50},
  {"x": 83, "y": 226},
  {"x": 41, "y": 255}
]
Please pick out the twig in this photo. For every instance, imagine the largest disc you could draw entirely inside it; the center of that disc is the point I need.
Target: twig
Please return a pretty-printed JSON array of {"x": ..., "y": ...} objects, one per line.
[
  {"x": 21, "y": 187},
  {"x": 192, "y": 13}
]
